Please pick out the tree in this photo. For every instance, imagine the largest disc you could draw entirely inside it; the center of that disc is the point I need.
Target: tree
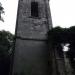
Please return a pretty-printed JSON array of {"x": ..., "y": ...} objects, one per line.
[
  {"x": 58, "y": 36},
  {"x": 1, "y": 11},
  {"x": 6, "y": 49}
]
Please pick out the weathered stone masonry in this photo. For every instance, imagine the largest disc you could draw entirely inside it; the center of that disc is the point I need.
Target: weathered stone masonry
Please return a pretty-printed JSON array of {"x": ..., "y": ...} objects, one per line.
[{"x": 31, "y": 49}]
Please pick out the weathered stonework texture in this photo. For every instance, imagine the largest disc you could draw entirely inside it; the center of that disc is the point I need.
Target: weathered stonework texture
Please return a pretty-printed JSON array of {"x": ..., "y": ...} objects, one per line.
[{"x": 31, "y": 51}]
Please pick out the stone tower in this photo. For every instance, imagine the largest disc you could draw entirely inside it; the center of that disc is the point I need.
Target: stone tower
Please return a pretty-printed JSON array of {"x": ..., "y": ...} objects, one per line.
[{"x": 31, "y": 51}]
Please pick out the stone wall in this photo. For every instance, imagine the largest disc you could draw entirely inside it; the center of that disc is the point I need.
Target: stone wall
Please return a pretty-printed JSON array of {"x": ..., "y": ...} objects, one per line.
[{"x": 31, "y": 48}]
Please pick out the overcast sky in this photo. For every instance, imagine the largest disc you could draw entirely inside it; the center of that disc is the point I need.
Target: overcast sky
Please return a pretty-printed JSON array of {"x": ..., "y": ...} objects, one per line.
[{"x": 62, "y": 11}]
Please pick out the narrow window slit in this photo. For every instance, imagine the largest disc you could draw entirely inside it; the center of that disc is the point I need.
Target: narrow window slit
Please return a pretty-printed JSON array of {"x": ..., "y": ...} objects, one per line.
[{"x": 34, "y": 9}]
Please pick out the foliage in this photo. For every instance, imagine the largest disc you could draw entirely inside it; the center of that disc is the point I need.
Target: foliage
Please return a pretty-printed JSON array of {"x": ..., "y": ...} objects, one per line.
[
  {"x": 58, "y": 35},
  {"x": 1, "y": 11},
  {"x": 55, "y": 35},
  {"x": 62, "y": 35},
  {"x": 6, "y": 48}
]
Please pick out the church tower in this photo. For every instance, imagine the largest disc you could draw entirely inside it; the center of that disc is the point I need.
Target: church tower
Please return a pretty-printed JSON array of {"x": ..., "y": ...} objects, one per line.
[{"x": 31, "y": 51}]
